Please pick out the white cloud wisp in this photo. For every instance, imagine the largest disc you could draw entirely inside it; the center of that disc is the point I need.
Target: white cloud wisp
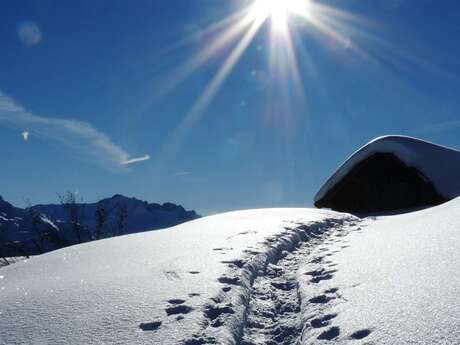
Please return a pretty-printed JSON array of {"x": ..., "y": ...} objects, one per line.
[
  {"x": 77, "y": 135},
  {"x": 136, "y": 160}
]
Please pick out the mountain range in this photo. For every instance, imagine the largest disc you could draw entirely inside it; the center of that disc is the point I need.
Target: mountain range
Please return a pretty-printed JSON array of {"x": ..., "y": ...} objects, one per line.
[{"x": 42, "y": 228}]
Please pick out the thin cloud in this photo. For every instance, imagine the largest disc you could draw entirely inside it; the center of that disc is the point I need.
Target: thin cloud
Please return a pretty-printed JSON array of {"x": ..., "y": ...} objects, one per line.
[
  {"x": 77, "y": 135},
  {"x": 25, "y": 135},
  {"x": 136, "y": 160},
  {"x": 182, "y": 173},
  {"x": 438, "y": 127}
]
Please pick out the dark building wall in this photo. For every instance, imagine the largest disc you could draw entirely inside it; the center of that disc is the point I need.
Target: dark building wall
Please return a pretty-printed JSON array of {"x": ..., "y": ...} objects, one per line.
[{"x": 382, "y": 182}]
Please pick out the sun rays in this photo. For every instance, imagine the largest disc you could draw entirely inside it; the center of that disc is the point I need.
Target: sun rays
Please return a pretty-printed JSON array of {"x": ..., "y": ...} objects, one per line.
[
  {"x": 279, "y": 11},
  {"x": 239, "y": 30}
]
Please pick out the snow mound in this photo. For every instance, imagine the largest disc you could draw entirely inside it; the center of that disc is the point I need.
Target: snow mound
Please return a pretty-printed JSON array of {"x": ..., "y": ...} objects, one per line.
[{"x": 439, "y": 164}]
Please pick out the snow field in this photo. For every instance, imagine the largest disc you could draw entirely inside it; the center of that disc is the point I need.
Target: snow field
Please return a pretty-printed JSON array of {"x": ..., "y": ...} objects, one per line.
[
  {"x": 276, "y": 276},
  {"x": 158, "y": 287}
]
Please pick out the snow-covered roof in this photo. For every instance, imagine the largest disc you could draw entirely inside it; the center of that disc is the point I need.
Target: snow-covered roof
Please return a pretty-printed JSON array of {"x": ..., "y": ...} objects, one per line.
[{"x": 439, "y": 164}]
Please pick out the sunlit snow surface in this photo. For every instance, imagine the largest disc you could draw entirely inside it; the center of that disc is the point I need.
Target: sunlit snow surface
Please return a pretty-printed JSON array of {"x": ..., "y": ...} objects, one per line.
[
  {"x": 277, "y": 276},
  {"x": 400, "y": 278},
  {"x": 101, "y": 292}
]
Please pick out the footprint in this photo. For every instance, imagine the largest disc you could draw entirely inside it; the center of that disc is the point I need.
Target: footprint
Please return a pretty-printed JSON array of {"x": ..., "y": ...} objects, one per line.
[
  {"x": 242, "y": 233},
  {"x": 176, "y": 301},
  {"x": 330, "y": 334},
  {"x": 284, "y": 285},
  {"x": 213, "y": 312},
  {"x": 194, "y": 272},
  {"x": 251, "y": 252},
  {"x": 362, "y": 333},
  {"x": 179, "y": 309},
  {"x": 194, "y": 294},
  {"x": 222, "y": 248},
  {"x": 237, "y": 263},
  {"x": 322, "y": 321},
  {"x": 321, "y": 272},
  {"x": 229, "y": 280},
  {"x": 318, "y": 279},
  {"x": 171, "y": 275},
  {"x": 150, "y": 326},
  {"x": 226, "y": 288},
  {"x": 317, "y": 260},
  {"x": 321, "y": 299}
]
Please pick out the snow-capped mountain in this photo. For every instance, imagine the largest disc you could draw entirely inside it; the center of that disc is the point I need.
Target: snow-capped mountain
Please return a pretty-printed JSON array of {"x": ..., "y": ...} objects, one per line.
[
  {"x": 24, "y": 232},
  {"x": 123, "y": 215},
  {"x": 12, "y": 220},
  {"x": 42, "y": 228}
]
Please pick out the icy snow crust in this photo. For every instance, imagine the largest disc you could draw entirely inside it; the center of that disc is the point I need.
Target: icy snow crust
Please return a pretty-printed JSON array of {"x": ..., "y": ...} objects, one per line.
[
  {"x": 441, "y": 165},
  {"x": 276, "y": 276}
]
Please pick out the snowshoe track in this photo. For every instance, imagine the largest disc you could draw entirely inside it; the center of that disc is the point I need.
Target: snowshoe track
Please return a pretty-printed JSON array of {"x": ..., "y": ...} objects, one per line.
[{"x": 260, "y": 301}]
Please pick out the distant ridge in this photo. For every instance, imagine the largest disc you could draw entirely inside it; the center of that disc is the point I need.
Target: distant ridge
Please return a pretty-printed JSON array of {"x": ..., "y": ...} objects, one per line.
[{"x": 42, "y": 228}]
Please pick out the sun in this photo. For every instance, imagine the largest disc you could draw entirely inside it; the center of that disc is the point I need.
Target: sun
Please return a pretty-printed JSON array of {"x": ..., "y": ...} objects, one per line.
[
  {"x": 278, "y": 11},
  {"x": 239, "y": 30}
]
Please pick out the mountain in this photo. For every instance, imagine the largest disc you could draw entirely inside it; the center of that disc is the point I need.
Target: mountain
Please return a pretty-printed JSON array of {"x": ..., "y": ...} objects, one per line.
[
  {"x": 123, "y": 215},
  {"x": 24, "y": 232},
  {"x": 42, "y": 228}
]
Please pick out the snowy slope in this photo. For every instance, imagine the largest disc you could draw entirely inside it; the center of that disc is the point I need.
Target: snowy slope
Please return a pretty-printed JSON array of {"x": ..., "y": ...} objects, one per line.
[
  {"x": 397, "y": 281},
  {"x": 105, "y": 292},
  {"x": 441, "y": 165},
  {"x": 275, "y": 276}
]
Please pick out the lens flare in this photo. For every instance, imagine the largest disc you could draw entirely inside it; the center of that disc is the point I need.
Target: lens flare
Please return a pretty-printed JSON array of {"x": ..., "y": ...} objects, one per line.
[
  {"x": 278, "y": 11},
  {"x": 239, "y": 30}
]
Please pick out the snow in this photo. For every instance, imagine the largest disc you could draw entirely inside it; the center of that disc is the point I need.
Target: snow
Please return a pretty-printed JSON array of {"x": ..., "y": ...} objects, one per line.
[
  {"x": 274, "y": 276},
  {"x": 105, "y": 292},
  {"x": 398, "y": 278},
  {"x": 441, "y": 165}
]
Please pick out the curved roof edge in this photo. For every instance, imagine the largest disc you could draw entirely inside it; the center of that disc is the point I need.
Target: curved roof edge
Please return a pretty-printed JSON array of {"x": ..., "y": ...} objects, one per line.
[{"x": 438, "y": 163}]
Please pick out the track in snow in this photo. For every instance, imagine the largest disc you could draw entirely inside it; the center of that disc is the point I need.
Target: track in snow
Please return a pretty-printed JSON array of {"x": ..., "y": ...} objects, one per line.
[{"x": 260, "y": 301}]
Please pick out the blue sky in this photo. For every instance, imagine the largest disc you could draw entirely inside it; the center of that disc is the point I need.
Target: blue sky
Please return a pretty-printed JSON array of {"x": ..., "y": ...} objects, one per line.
[{"x": 91, "y": 82}]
